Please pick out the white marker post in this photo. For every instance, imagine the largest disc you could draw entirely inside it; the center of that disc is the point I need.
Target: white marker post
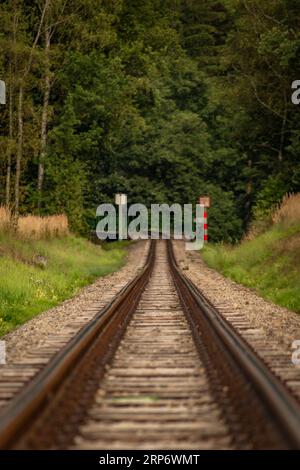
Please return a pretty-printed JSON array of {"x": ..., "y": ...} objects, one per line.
[
  {"x": 2, "y": 352},
  {"x": 2, "y": 92},
  {"x": 121, "y": 201}
]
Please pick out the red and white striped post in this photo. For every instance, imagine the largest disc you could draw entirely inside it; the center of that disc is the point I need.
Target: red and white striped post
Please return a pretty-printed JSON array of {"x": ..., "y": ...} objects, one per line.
[{"x": 205, "y": 201}]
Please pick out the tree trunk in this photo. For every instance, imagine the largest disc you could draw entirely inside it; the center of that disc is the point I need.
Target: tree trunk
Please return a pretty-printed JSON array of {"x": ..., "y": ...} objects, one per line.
[
  {"x": 44, "y": 123},
  {"x": 19, "y": 151},
  {"x": 250, "y": 182},
  {"x": 20, "y": 112},
  {"x": 9, "y": 148},
  {"x": 12, "y": 75}
]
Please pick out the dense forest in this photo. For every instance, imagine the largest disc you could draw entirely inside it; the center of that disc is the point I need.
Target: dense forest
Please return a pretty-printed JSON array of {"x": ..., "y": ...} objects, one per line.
[{"x": 162, "y": 99}]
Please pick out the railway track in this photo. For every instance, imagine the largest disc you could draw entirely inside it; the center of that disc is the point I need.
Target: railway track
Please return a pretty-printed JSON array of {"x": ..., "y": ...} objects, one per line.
[{"x": 158, "y": 368}]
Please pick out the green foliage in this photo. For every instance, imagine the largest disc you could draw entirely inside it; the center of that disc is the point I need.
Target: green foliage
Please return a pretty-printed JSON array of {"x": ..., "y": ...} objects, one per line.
[
  {"x": 261, "y": 59},
  {"x": 224, "y": 223},
  {"x": 65, "y": 186},
  {"x": 159, "y": 99},
  {"x": 271, "y": 195}
]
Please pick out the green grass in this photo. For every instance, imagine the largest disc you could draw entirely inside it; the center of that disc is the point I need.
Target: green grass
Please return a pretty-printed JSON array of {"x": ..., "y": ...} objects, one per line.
[
  {"x": 27, "y": 288},
  {"x": 270, "y": 264}
]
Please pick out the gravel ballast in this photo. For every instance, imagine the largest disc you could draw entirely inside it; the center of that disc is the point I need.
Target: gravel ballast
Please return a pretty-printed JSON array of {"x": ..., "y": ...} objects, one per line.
[{"x": 279, "y": 325}]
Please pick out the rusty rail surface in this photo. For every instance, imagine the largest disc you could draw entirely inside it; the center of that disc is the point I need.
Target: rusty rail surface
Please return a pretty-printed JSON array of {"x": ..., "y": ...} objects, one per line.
[
  {"x": 280, "y": 405},
  {"x": 256, "y": 405}
]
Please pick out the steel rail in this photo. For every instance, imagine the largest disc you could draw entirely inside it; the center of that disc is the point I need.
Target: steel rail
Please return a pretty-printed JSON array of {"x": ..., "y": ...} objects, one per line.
[
  {"x": 107, "y": 328},
  {"x": 276, "y": 397},
  {"x": 17, "y": 417}
]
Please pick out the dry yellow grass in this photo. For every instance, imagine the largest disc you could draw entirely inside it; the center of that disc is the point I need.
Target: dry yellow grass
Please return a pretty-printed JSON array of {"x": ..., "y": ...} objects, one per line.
[
  {"x": 35, "y": 227},
  {"x": 288, "y": 212},
  {"x": 5, "y": 218}
]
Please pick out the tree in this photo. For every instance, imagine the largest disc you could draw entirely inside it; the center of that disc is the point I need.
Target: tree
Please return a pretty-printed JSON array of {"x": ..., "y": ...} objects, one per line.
[
  {"x": 22, "y": 88},
  {"x": 160, "y": 99}
]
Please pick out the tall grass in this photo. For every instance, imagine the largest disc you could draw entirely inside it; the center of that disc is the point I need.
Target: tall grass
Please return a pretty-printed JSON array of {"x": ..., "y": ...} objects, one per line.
[
  {"x": 38, "y": 228},
  {"x": 32, "y": 227},
  {"x": 5, "y": 219},
  {"x": 269, "y": 261},
  {"x": 288, "y": 212}
]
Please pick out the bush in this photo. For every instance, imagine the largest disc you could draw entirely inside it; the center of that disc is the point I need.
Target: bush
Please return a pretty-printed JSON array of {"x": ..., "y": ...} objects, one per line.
[
  {"x": 268, "y": 198},
  {"x": 223, "y": 221}
]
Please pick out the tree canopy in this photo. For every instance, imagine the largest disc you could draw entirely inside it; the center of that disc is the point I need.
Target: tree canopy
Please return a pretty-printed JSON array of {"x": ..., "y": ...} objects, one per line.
[{"x": 164, "y": 100}]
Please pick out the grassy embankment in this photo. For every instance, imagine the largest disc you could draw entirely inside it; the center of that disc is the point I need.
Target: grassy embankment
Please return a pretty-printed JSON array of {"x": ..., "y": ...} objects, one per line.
[
  {"x": 44, "y": 264},
  {"x": 269, "y": 261}
]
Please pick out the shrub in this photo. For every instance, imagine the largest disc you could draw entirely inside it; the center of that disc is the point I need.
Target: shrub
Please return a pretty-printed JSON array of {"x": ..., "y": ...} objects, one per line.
[{"x": 269, "y": 197}]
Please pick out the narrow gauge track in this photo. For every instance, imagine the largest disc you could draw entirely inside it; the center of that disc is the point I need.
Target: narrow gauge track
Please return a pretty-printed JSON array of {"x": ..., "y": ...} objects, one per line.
[{"x": 159, "y": 367}]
